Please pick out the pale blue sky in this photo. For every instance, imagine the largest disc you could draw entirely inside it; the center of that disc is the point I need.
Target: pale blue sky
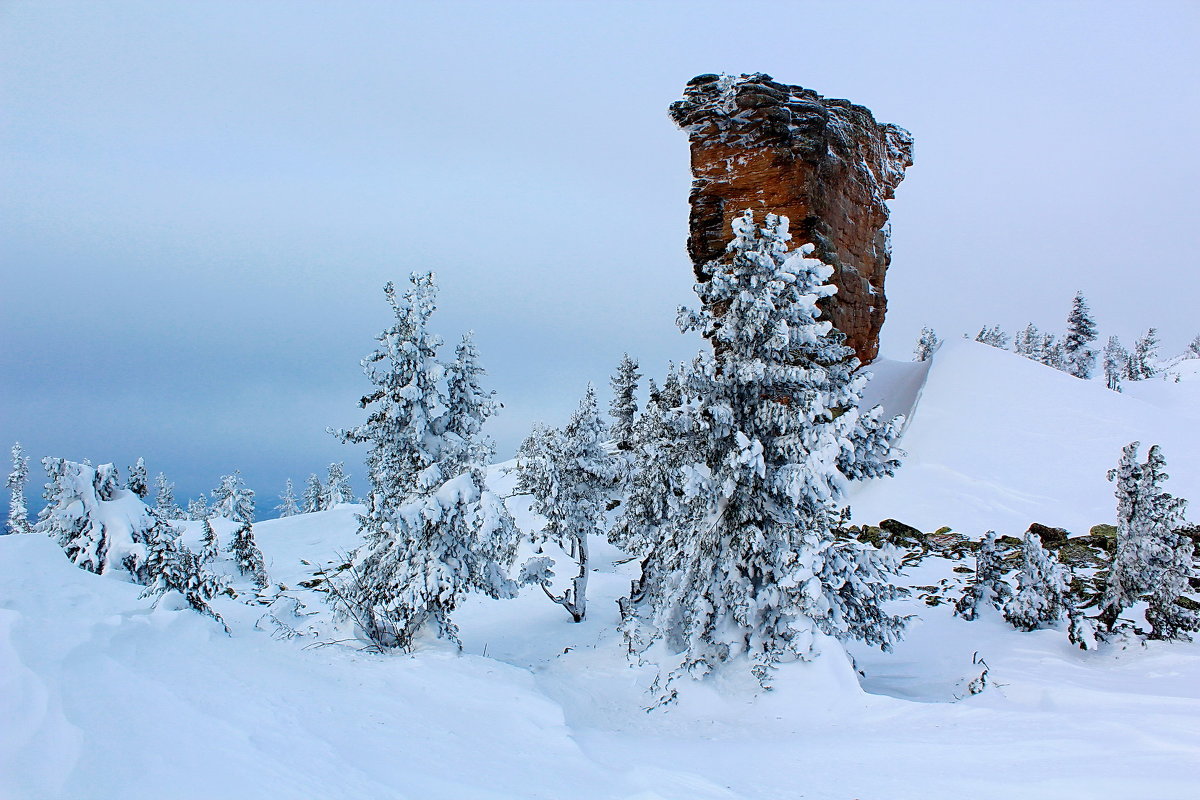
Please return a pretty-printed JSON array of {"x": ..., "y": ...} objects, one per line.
[{"x": 201, "y": 201}]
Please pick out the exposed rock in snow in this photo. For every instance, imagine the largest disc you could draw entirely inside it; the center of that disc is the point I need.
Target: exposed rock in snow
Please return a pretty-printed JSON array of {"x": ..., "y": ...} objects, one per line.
[{"x": 825, "y": 164}]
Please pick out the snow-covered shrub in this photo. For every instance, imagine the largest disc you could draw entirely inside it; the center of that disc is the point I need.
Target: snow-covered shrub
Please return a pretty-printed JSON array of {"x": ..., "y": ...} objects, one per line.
[
  {"x": 927, "y": 342},
  {"x": 988, "y": 586},
  {"x": 1042, "y": 588},
  {"x": 993, "y": 336}
]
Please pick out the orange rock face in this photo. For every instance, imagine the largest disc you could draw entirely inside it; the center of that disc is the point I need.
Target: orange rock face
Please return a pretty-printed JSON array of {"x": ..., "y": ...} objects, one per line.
[{"x": 825, "y": 164}]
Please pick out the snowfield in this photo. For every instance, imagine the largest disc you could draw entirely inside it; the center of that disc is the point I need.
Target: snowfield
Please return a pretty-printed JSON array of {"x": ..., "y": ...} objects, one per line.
[{"x": 104, "y": 696}]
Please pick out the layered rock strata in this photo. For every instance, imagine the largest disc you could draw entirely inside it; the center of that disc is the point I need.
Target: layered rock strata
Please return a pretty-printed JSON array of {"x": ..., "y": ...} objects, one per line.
[{"x": 825, "y": 164}]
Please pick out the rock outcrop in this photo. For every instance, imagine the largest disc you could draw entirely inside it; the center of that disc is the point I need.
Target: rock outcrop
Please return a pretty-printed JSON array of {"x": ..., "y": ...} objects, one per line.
[{"x": 825, "y": 164}]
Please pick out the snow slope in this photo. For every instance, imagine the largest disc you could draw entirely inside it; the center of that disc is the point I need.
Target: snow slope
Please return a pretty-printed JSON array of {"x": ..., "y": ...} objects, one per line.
[
  {"x": 998, "y": 441},
  {"x": 103, "y": 696}
]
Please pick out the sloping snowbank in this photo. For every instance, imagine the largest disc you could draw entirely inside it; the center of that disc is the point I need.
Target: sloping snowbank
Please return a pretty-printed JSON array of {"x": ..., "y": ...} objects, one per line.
[{"x": 998, "y": 441}]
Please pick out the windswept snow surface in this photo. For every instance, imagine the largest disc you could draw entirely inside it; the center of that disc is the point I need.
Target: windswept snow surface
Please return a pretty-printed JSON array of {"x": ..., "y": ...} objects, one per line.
[
  {"x": 998, "y": 441},
  {"x": 104, "y": 696}
]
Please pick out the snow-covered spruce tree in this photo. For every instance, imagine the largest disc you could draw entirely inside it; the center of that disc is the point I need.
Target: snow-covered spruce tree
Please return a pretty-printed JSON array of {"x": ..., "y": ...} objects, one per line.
[
  {"x": 210, "y": 546},
  {"x": 170, "y": 566},
  {"x": 406, "y": 411},
  {"x": 313, "y": 490},
  {"x": 1152, "y": 561},
  {"x": 68, "y": 516},
  {"x": 654, "y": 492},
  {"x": 1028, "y": 342},
  {"x": 337, "y": 487},
  {"x": 232, "y": 500},
  {"x": 1079, "y": 358},
  {"x": 624, "y": 407},
  {"x": 1193, "y": 350},
  {"x": 198, "y": 509},
  {"x": 993, "y": 337},
  {"x": 164, "y": 499},
  {"x": 138, "y": 482},
  {"x": 18, "y": 511},
  {"x": 988, "y": 587},
  {"x": 1116, "y": 363},
  {"x": 287, "y": 501},
  {"x": 430, "y": 537},
  {"x": 1042, "y": 588},
  {"x": 750, "y": 567},
  {"x": 569, "y": 475},
  {"x": 1143, "y": 362},
  {"x": 469, "y": 406},
  {"x": 247, "y": 555},
  {"x": 927, "y": 342},
  {"x": 1051, "y": 353}
]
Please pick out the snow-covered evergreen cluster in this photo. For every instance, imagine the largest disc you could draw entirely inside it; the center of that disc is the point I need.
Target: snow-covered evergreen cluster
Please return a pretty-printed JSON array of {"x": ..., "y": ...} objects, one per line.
[
  {"x": 1074, "y": 352},
  {"x": 1153, "y": 562}
]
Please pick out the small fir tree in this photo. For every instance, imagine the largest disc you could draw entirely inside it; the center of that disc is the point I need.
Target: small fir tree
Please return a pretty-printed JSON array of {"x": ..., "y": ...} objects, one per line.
[
  {"x": 1152, "y": 560},
  {"x": 170, "y": 566},
  {"x": 210, "y": 547},
  {"x": 927, "y": 342},
  {"x": 405, "y": 425},
  {"x": 337, "y": 487},
  {"x": 1116, "y": 363},
  {"x": 430, "y": 536},
  {"x": 624, "y": 407},
  {"x": 1042, "y": 588},
  {"x": 655, "y": 488},
  {"x": 569, "y": 475},
  {"x": 247, "y": 555},
  {"x": 469, "y": 406},
  {"x": 198, "y": 509},
  {"x": 1028, "y": 342},
  {"x": 138, "y": 482},
  {"x": 1051, "y": 353},
  {"x": 313, "y": 491},
  {"x": 164, "y": 499},
  {"x": 988, "y": 586},
  {"x": 1193, "y": 350},
  {"x": 232, "y": 500},
  {"x": 1079, "y": 358},
  {"x": 1143, "y": 363},
  {"x": 287, "y": 501},
  {"x": 18, "y": 511}
]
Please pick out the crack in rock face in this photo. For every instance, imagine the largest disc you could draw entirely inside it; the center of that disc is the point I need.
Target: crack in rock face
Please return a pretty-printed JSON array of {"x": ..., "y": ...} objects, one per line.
[{"x": 825, "y": 164}]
